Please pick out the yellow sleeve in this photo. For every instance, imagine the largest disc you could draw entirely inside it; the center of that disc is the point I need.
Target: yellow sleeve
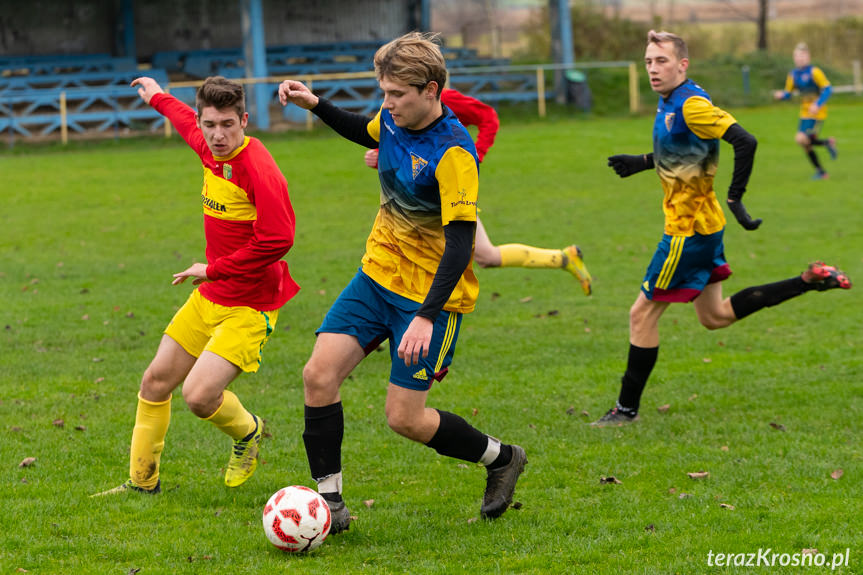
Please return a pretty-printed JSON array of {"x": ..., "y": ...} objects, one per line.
[
  {"x": 374, "y": 127},
  {"x": 819, "y": 77},
  {"x": 706, "y": 120},
  {"x": 789, "y": 83},
  {"x": 458, "y": 180}
]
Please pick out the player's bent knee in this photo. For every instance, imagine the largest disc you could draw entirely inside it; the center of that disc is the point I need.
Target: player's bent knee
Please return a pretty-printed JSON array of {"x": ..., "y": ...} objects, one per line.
[
  {"x": 155, "y": 387},
  {"x": 403, "y": 425},
  {"x": 201, "y": 402},
  {"x": 319, "y": 379}
]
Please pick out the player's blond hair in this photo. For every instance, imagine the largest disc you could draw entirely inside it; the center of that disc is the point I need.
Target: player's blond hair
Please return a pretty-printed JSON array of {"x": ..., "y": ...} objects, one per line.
[
  {"x": 414, "y": 59},
  {"x": 680, "y": 49},
  {"x": 801, "y": 47},
  {"x": 221, "y": 93}
]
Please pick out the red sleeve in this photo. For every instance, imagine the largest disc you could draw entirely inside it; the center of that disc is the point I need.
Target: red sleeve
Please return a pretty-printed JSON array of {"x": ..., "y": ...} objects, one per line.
[
  {"x": 183, "y": 119},
  {"x": 472, "y": 112},
  {"x": 272, "y": 231}
]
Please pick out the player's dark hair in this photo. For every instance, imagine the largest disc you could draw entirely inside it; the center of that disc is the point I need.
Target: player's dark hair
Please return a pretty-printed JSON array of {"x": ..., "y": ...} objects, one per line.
[
  {"x": 414, "y": 59},
  {"x": 680, "y": 49},
  {"x": 221, "y": 93}
]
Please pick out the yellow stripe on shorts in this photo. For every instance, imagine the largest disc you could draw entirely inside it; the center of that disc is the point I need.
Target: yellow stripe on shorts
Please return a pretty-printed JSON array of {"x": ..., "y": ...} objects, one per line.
[
  {"x": 670, "y": 265},
  {"x": 451, "y": 323}
]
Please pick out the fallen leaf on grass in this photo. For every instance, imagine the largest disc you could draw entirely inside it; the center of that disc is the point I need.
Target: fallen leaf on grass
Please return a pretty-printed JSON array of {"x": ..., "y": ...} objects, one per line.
[
  {"x": 472, "y": 520},
  {"x": 553, "y": 312},
  {"x": 494, "y": 296},
  {"x": 570, "y": 410},
  {"x": 837, "y": 474},
  {"x": 650, "y": 527},
  {"x": 515, "y": 505},
  {"x": 777, "y": 426},
  {"x": 27, "y": 462},
  {"x": 726, "y": 506},
  {"x": 724, "y": 448},
  {"x": 672, "y": 490},
  {"x": 707, "y": 360},
  {"x": 80, "y": 428},
  {"x": 809, "y": 551},
  {"x": 526, "y": 299},
  {"x": 698, "y": 474},
  {"x": 693, "y": 396},
  {"x": 610, "y": 479},
  {"x": 684, "y": 496},
  {"x": 474, "y": 411},
  {"x": 585, "y": 413},
  {"x": 663, "y": 408},
  {"x": 369, "y": 502},
  {"x": 58, "y": 423}
]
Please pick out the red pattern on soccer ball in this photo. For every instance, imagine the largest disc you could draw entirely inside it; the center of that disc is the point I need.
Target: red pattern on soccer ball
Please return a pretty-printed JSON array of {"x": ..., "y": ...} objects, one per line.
[{"x": 277, "y": 529}]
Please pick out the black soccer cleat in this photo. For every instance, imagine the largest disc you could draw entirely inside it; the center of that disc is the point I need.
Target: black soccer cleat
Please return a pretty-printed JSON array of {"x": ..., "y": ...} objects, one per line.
[
  {"x": 614, "y": 418},
  {"x": 340, "y": 517},
  {"x": 500, "y": 485}
]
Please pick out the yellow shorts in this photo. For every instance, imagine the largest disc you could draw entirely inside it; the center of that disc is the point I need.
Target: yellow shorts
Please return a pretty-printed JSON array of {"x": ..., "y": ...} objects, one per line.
[{"x": 236, "y": 333}]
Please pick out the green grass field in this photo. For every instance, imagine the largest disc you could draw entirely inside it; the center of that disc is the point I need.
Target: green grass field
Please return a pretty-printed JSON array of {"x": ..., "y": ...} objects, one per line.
[{"x": 770, "y": 407}]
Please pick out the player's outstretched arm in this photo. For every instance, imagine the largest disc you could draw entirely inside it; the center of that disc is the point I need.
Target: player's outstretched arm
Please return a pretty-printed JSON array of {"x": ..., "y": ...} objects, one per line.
[
  {"x": 744, "y": 154},
  {"x": 625, "y": 165},
  {"x": 297, "y": 93},
  {"x": 147, "y": 88}
]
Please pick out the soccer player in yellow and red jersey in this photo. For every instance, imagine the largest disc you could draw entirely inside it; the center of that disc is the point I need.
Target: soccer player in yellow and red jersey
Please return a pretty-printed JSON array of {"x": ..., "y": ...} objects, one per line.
[
  {"x": 472, "y": 112},
  {"x": 416, "y": 279},
  {"x": 223, "y": 326},
  {"x": 689, "y": 263},
  {"x": 815, "y": 90}
]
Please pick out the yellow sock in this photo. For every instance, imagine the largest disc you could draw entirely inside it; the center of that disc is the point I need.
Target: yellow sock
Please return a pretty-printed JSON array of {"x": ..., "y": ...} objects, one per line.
[
  {"x": 522, "y": 256},
  {"x": 148, "y": 440},
  {"x": 232, "y": 418}
]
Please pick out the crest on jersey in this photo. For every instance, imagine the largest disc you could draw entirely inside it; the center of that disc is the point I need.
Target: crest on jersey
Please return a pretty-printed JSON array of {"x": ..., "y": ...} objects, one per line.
[
  {"x": 669, "y": 120},
  {"x": 227, "y": 172},
  {"x": 418, "y": 164}
]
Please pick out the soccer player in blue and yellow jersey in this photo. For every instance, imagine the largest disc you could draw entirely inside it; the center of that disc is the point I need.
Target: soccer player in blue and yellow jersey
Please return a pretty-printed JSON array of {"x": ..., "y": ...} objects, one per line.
[
  {"x": 472, "y": 112},
  {"x": 223, "y": 326},
  {"x": 416, "y": 279},
  {"x": 815, "y": 90},
  {"x": 689, "y": 262}
]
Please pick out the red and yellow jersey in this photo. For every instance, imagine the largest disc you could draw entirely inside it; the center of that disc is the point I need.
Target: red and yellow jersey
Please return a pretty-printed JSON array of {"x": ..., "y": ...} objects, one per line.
[
  {"x": 248, "y": 218},
  {"x": 429, "y": 178},
  {"x": 686, "y": 153}
]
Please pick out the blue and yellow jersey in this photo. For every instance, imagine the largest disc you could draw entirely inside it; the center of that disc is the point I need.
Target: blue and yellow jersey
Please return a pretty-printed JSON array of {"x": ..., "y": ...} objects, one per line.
[
  {"x": 686, "y": 153},
  {"x": 429, "y": 178},
  {"x": 813, "y": 86}
]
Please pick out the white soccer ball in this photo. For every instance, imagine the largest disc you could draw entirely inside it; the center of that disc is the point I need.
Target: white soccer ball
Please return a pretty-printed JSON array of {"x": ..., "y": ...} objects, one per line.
[{"x": 296, "y": 519}]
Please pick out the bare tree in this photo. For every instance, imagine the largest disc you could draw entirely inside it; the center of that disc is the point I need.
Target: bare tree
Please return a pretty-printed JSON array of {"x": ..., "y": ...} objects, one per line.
[{"x": 761, "y": 20}]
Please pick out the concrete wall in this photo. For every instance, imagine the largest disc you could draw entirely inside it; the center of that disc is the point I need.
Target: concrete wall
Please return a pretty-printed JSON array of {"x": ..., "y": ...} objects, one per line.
[{"x": 86, "y": 26}]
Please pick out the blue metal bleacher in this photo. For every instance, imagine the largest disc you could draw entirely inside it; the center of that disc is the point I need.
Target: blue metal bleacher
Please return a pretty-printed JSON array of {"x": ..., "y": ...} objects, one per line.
[{"x": 98, "y": 96}]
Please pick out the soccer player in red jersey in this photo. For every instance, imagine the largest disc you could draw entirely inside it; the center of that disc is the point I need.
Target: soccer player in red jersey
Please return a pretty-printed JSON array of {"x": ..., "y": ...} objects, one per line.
[
  {"x": 223, "y": 326},
  {"x": 472, "y": 112}
]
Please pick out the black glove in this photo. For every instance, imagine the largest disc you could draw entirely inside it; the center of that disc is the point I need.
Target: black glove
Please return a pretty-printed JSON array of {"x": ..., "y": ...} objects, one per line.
[
  {"x": 625, "y": 165},
  {"x": 739, "y": 210}
]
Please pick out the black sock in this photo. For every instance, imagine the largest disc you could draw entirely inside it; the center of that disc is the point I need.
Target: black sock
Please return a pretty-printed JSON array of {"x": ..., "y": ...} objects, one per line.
[
  {"x": 503, "y": 458},
  {"x": 325, "y": 427},
  {"x": 814, "y": 159},
  {"x": 638, "y": 367},
  {"x": 457, "y": 438},
  {"x": 815, "y": 141},
  {"x": 752, "y": 299},
  {"x": 332, "y": 497}
]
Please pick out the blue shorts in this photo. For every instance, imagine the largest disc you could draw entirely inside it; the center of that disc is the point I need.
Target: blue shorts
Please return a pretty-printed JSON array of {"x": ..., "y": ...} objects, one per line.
[
  {"x": 810, "y": 126},
  {"x": 373, "y": 314},
  {"x": 683, "y": 265}
]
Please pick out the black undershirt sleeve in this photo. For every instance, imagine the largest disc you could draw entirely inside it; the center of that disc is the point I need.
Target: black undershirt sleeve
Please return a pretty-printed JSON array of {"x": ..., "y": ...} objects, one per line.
[
  {"x": 744, "y": 154},
  {"x": 349, "y": 125},
  {"x": 459, "y": 237}
]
